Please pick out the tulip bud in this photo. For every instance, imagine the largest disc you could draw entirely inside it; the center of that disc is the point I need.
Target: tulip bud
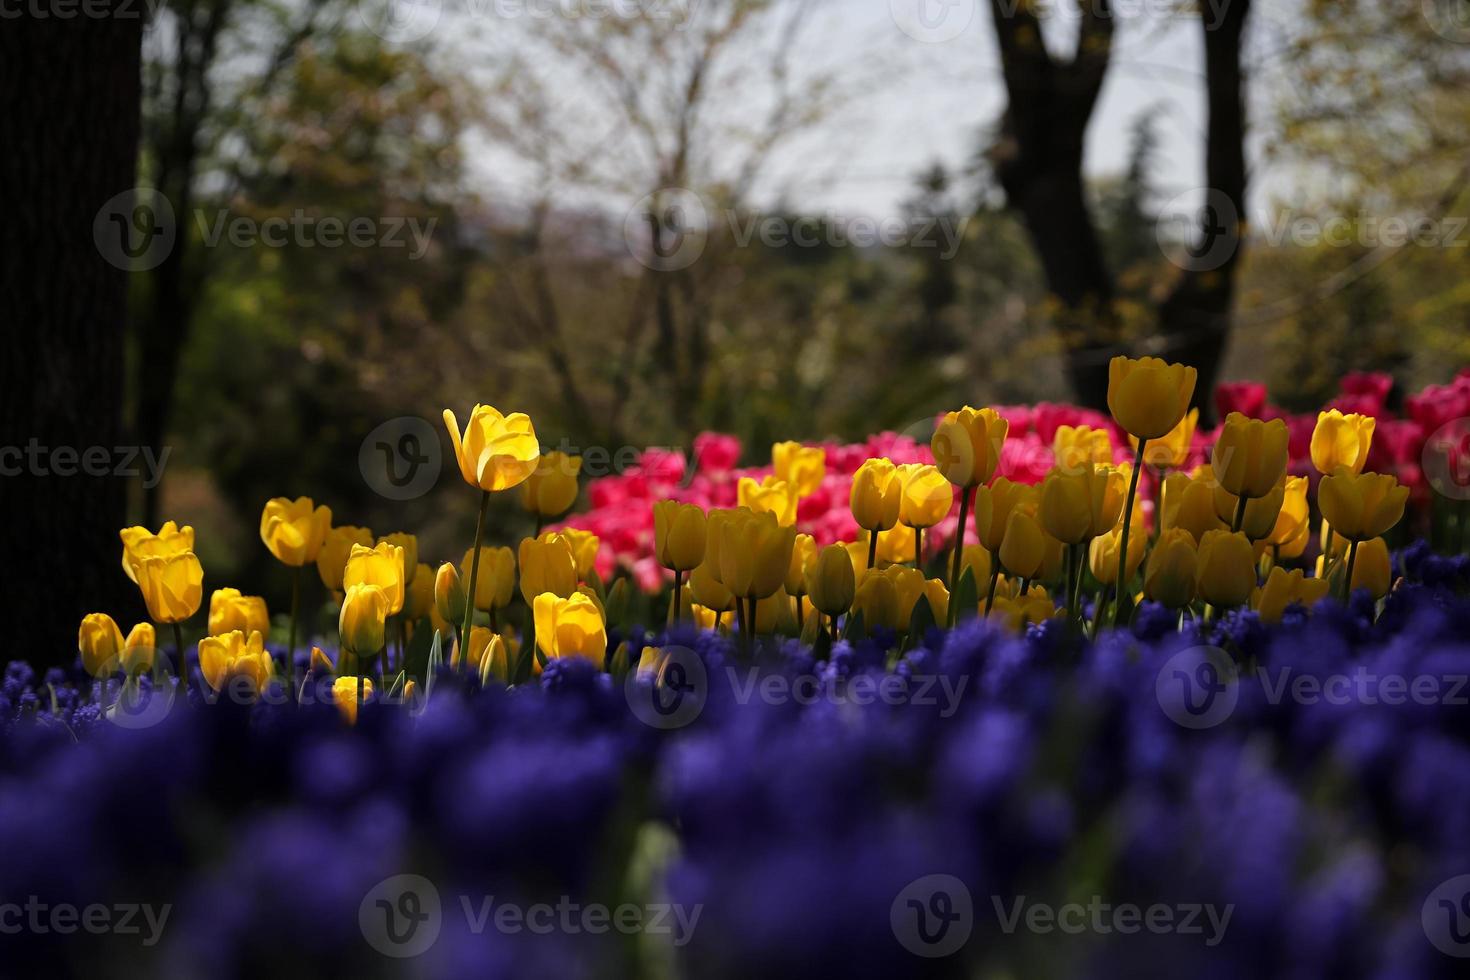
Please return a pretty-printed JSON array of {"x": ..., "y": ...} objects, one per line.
[
  {"x": 1102, "y": 557},
  {"x": 803, "y": 548},
  {"x": 679, "y": 534},
  {"x": 1372, "y": 569},
  {"x": 344, "y": 695},
  {"x": 1250, "y": 455},
  {"x": 1170, "y": 576},
  {"x": 830, "y": 580},
  {"x": 1341, "y": 441},
  {"x": 101, "y": 642},
  {"x": 494, "y": 662},
  {"x": 551, "y": 489},
  {"x": 361, "y": 622},
  {"x": 877, "y": 493},
  {"x": 449, "y": 597},
  {"x": 139, "y": 648},
  {"x": 1225, "y": 573},
  {"x": 1147, "y": 396}
]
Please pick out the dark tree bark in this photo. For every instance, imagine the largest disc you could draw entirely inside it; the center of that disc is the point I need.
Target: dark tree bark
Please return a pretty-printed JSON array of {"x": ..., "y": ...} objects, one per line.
[{"x": 69, "y": 106}]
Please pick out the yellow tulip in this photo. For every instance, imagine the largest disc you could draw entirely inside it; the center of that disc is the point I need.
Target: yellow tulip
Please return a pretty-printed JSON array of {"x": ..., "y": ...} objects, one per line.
[
  {"x": 927, "y": 495},
  {"x": 1261, "y": 513},
  {"x": 707, "y": 591},
  {"x": 1189, "y": 504},
  {"x": 235, "y": 654},
  {"x": 100, "y": 642},
  {"x": 495, "y": 452},
  {"x": 551, "y": 489},
  {"x": 909, "y": 584},
  {"x": 993, "y": 507},
  {"x": 1283, "y": 588},
  {"x": 294, "y": 530},
  {"x": 1017, "y": 612},
  {"x": 570, "y": 627},
  {"x": 410, "y": 546},
  {"x": 976, "y": 558},
  {"x": 139, "y": 648},
  {"x": 704, "y": 617},
  {"x": 679, "y": 535},
  {"x": 1102, "y": 556},
  {"x": 230, "y": 611},
  {"x": 1147, "y": 396},
  {"x": 449, "y": 596},
  {"x": 1292, "y": 520},
  {"x": 803, "y": 550},
  {"x": 496, "y": 583},
  {"x": 1297, "y": 546},
  {"x": 139, "y": 542},
  {"x": 1360, "y": 506},
  {"x": 1071, "y": 447},
  {"x": 1250, "y": 455},
  {"x": 771, "y": 496},
  {"x": 895, "y": 545},
  {"x": 1225, "y": 573},
  {"x": 495, "y": 661},
  {"x": 584, "y": 545},
  {"x": 320, "y": 664},
  {"x": 1023, "y": 548},
  {"x": 547, "y": 565},
  {"x": 754, "y": 552},
  {"x": 1170, "y": 451},
  {"x": 774, "y": 614},
  {"x": 1333, "y": 545},
  {"x": 876, "y": 600},
  {"x": 1078, "y": 506},
  {"x": 361, "y": 622},
  {"x": 1372, "y": 569},
  {"x": 172, "y": 586},
  {"x": 1170, "y": 574},
  {"x": 1341, "y": 440},
  {"x": 801, "y": 467},
  {"x": 830, "y": 580},
  {"x": 381, "y": 565},
  {"x": 877, "y": 494},
  {"x": 420, "y": 598},
  {"x": 966, "y": 445},
  {"x": 331, "y": 560},
  {"x": 344, "y": 695},
  {"x": 481, "y": 640}
]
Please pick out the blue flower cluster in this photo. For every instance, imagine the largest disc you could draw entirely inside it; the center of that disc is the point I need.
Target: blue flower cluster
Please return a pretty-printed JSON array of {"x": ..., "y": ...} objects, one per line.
[{"x": 1227, "y": 800}]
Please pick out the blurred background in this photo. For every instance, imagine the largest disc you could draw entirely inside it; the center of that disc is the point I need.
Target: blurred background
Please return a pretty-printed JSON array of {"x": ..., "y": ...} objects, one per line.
[{"x": 251, "y": 232}]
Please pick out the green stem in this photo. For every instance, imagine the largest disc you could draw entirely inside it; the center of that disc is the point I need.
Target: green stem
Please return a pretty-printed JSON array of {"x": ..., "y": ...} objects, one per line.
[
  {"x": 469, "y": 607},
  {"x": 1347, "y": 580},
  {"x": 1127, "y": 521},
  {"x": 674, "y": 602},
  {"x": 1097, "y": 611},
  {"x": 1239, "y": 521},
  {"x": 959, "y": 545},
  {"x": 1069, "y": 562},
  {"x": 872, "y": 549},
  {"x": 183, "y": 671},
  {"x": 291, "y": 640},
  {"x": 919, "y": 548},
  {"x": 990, "y": 592}
]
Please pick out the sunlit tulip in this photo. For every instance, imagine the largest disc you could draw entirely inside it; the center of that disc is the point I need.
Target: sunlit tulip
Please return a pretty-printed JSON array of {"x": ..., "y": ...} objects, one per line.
[
  {"x": 877, "y": 495},
  {"x": 830, "y": 581},
  {"x": 294, "y": 530},
  {"x": 755, "y": 552},
  {"x": 139, "y": 542},
  {"x": 1360, "y": 506},
  {"x": 495, "y": 452},
  {"x": 172, "y": 586},
  {"x": 1023, "y": 548},
  {"x": 1293, "y": 518},
  {"x": 1073, "y": 446},
  {"x": 547, "y": 565},
  {"x": 570, "y": 627},
  {"x": 800, "y": 467},
  {"x": 1261, "y": 513},
  {"x": 345, "y": 695},
  {"x": 100, "y": 642},
  {"x": 551, "y": 489},
  {"x": 1102, "y": 556},
  {"x": 1372, "y": 569},
  {"x": 803, "y": 550},
  {"x": 1250, "y": 455},
  {"x": 584, "y": 545},
  {"x": 679, "y": 535},
  {"x": 1078, "y": 506},
  {"x": 331, "y": 560},
  {"x": 361, "y": 621},
  {"x": 1169, "y": 577},
  {"x": 1189, "y": 504},
  {"x": 235, "y": 654},
  {"x": 966, "y": 445},
  {"x": 1147, "y": 396},
  {"x": 708, "y": 591},
  {"x": 993, "y": 506},
  {"x": 1225, "y": 573},
  {"x": 927, "y": 495},
  {"x": 895, "y": 545},
  {"x": 1282, "y": 589},
  {"x": 381, "y": 565},
  {"x": 230, "y": 611},
  {"x": 140, "y": 648},
  {"x": 1170, "y": 451},
  {"x": 876, "y": 600},
  {"x": 410, "y": 546},
  {"x": 1341, "y": 440},
  {"x": 1297, "y": 546},
  {"x": 449, "y": 594}
]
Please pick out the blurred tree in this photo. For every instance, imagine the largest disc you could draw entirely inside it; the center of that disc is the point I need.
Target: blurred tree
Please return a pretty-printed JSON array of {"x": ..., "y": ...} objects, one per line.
[{"x": 70, "y": 137}]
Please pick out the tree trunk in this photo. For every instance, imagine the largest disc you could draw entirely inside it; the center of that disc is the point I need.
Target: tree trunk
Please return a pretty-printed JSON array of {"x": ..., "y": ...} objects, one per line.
[{"x": 69, "y": 117}]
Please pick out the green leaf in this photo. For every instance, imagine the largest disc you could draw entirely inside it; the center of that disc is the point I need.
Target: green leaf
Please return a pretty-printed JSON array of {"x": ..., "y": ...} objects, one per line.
[
  {"x": 920, "y": 620},
  {"x": 617, "y": 604},
  {"x": 854, "y": 631},
  {"x": 966, "y": 598},
  {"x": 432, "y": 664}
]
